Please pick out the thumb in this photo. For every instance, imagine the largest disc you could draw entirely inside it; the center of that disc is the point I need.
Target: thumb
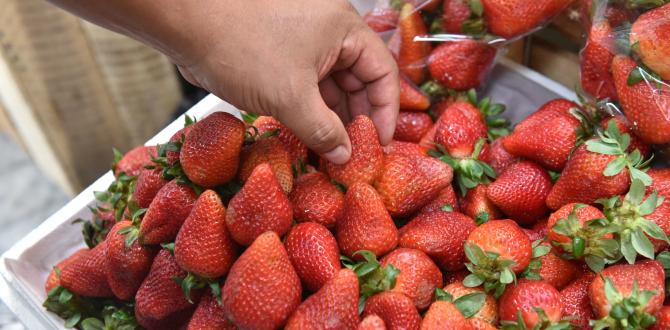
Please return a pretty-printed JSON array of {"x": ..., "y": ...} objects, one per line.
[{"x": 318, "y": 127}]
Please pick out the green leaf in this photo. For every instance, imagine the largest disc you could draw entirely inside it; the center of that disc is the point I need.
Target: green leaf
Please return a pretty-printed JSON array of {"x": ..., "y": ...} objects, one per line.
[
  {"x": 649, "y": 205},
  {"x": 541, "y": 251},
  {"x": 627, "y": 249},
  {"x": 635, "y": 76},
  {"x": 637, "y": 174},
  {"x": 102, "y": 196},
  {"x": 472, "y": 281},
  {"x": 476, "y": 7},
  {"x": 615, "y": 167},
  {"x": 65, "y": 297},
  {"x": 601, "y": 147},
  {"x": 611, "y": 293},
  {"x": 664, "y": 259},
  {"x": 636, "y": 192},
  {"x": 507, "y": 276},
  {"x": 366, "y": 268},
  {"x": 652, "y": 229},
  {"x": 441, "y": 295},
  {"x": 597, "y": 264},
  {"x": 447, "y": 208},
  {"x": 481, "y": 218},
  {"x": 642, "y": 244},
  {"x": 72, "y": 321},
  {"x": 470, "y": 304},
  {"x": 92, "y": 323}
]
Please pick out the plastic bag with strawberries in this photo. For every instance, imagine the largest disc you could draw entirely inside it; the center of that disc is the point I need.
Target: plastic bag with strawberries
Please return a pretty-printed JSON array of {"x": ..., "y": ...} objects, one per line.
[{"x": 625, "y": 63}]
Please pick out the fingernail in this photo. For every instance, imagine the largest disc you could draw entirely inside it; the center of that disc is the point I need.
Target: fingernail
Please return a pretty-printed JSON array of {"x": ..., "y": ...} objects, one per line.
[{"x": 339, "y": 155}]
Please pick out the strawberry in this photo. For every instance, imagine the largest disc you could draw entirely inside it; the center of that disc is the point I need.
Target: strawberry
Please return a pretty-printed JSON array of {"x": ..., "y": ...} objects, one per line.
[
  {"x": 647, "y": 34},
  {"x": 643, "y": 102},
  {"x": 167, "y": 213},
  {"x": 149, "y": 183},
  {"x": 440, "y": 235},
  {"x": 209, "y": 315},
  {"x": 575, "y": 301},
  {"x": 497, "y": 156},
  {"x": 446, "y": 199},
  {"x": 366, "y": 154},
  {"x": 267, "y": 150},
  {"x": 459, "y": 128},
  {"x": 478, "y": 206},
  {"x": 160, "y": 302},
  {"x": 372, "y": 322},
  {"x": 428, "y": 140},
  {"x": 53, "y": 280},
  {"x": 407, "y": 183},
  {"x": 418, "y": 277},
  {"x": 479, "y": 324},
  {"x": 365, "y": 224},
  {"x": 265, "y": 264},
  {"x": 260, "y": 206},
  {"x": 314, "y": 254},
  {"x": 512, "y": 18},
  {"x": 613, "y": 13},
  {"x": 520, "y": 192},
  {"x": 334, "y": 306},
  {"x": 133, "y": 161},
  {"x": 128, "y": 262},
  {"x": 444, "y": 315},
  {"x": 556, "y": 271},
  {"x": 203, "y": 246},
  {"x": 521, "y": 302},
  {"x": 549, "y": 135},
  {"x": 411, "y": 97},
  {"x": 488, "y": 312},
  {"x": 412, "y": 54},
  {"x": 596, "y": 63},
  {"x": 381, "y": 19},
  {"x": 404, "y": 148},
  {"x": 581, "y": 231},
  {"x": 86, "y": 276},
  {"x": 538, "y": 231},
  {"x": 295, "y": 147},
  {"x": 662, "y": 319},
  {"x": 411, "y": 126},
  {"x": 497, "y": 250},
  {"x": 396, "y": 309},
  {"x": 210, "y": 153},
  {"x": 454, "y": 15},
  {"x": 461, "y": 64},
  {"x": 316, "y": 199},
  {"x": 628, "y": 295}
]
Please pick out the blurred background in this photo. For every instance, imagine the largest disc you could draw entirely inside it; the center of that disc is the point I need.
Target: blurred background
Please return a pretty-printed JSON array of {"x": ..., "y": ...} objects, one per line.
[{"x": 71, "y": 91}]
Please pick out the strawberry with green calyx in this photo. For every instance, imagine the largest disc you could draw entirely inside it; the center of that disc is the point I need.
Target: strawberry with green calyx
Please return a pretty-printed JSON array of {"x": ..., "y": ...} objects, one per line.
[
  {"x": 372, "y": 276},
  {"x": 648, "y": 34},
  {"x": 625, "y": 312},
  {"x": 469, "y": 304},
  {"x": 631, "y": 227},
  {"x": 477, "y": 205},
  {"x": 463, "y": 16},
  {"x": 581, "y": 231},
  {"x": 53, "y": 280},
  {"x": 167, "y": 161},
  {"x": 470, "y": 172},
  {"x": 444, "y": 315},
  {"x": 531, "y": 305},
  {"x": 133, "y": 161},
  {"x": 418, "y": 275}
]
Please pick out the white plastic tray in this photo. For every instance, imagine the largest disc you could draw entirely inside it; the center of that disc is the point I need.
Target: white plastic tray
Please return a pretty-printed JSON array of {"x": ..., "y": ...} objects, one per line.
[{"x": 25, "y": 266}]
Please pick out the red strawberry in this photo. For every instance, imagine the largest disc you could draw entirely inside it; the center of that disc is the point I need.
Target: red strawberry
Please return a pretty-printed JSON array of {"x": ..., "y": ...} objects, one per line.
[
  {"x": 262, "y": 289},
  {"x": 148, "y": 184},
  {"x": 314, "y": 254},
  {"x": 260, "y": 206},
  {"x": 520, "y": 192},
  {"x": 396, "y": 309},
  {"x": 316, "y": 199},
  {"x": 209, "y": 315},
  {"x": 412, "y": 54},
  {"x": 128, "y": 262},
  {"x": 538, "y": 231},
  {"x": 418, "y": 277},
  {"x": 548, "y": 136},
  {"x": 440, "y": 235},
  {"x": 446, "y": 197},
  {"x": 53, "y": 280},
  {"x": 662, "y": 319},
  {"x": 444, "y": 315},
  {"x": 334, "y": 306},
  {"x": 86, "y": 276},
  {"x": 597, "y": 58},
  {"x": 497, "y": 156},
  {"x": 381, "y": 19},
  {"x": 167, "y": 213},
  {"x": 428, "y": 139},
  {"x": 641, "y": 286},
  {"x": 440, "y": 107},
  {"x": 203, "y": 245},
  {"x": 407, "y": 183},
  {"x": 462, "y": 64},
  {"x": 366, "y": 154},
  {"x": 134, "y": 160},
  {"x": 459, "y": 128},
  {"x": 160, "y": 302},
  {"x": 411, "y": 126},
  {"x": 295, "y": 147},
  {"x": 267, "y": 150},
  {"x": 210, "y": 153},
  {"x": 411, "y": 97},
  {"x": 525, "y": 297},
  {"x": 365, "y": 224},
  {"x": 405, "y": 148},
  {"x": 512, "y": 18},
  {"x": 477, "y": 205},
  {"x": 575, "y": 301},
  {"x": 479, "y": 324},
  {"x": 644, "y": 104},
  {"x": 454, "y": 14},
  {"x": 488, "y": 312},
  {"x": 648, "y": 33},
  {"x": 372, "y": 322},
  {"x": 556, "y": 271}
]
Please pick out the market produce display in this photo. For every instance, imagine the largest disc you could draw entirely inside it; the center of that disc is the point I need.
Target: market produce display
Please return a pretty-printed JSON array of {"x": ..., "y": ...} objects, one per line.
[{"x": 461, "y": 222}]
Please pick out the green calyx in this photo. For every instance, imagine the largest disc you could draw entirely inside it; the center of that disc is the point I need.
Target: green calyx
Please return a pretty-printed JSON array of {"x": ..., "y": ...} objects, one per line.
[
  {"x": 645, "y": 4},
  {"x": 436, "y": 91},
  {"x": 90, "y": 313},
  {"x": 249, "y": 117},
  {"x": 497, "y": 125},
  {"x": 625, "y": 312},
  {"x": 373, "y": 278},
  {"x": 487, "y": 269},
  {"x": 643, "y": 73},
  {"x": 112, "y": 318},
  {"x": 475, "y": 25},
  {"x": 532, "y": 271},
  {"x": 96, "y": 229},
  {"x": 587, "y": 241},
  {"x": 627, "y": 217},
  {"x": 612, "y": 142},
  {"x": 468, "y": 304},
  {"x": 470, "y": 172},
  {"x": 194, "y": 282},
  {"x": 544, "y": 322}
]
